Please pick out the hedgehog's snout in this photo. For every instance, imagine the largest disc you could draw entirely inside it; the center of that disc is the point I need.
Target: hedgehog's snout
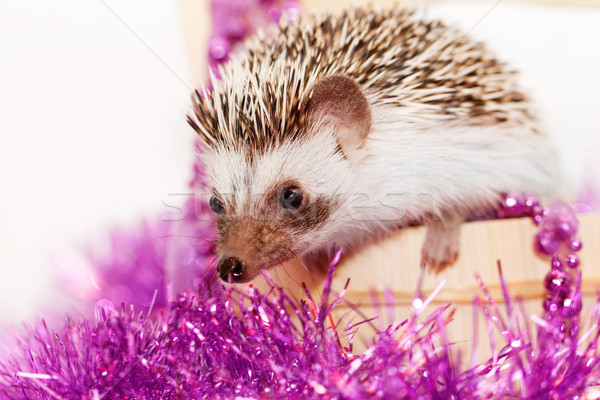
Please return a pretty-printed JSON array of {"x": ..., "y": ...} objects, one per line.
[
  {"x": 246, "y": 245},
  {"x": 231, "y": 269}
]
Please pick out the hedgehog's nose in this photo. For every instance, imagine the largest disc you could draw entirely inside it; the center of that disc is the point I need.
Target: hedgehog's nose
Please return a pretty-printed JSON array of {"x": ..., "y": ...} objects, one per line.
[{"x": 231, "y": 266}]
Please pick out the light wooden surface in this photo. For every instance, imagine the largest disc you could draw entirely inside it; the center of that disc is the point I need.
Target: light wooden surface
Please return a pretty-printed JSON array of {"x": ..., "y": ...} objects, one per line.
[
  {"x": 392, "y": 264},
  {"x": 196, "y": 22}
]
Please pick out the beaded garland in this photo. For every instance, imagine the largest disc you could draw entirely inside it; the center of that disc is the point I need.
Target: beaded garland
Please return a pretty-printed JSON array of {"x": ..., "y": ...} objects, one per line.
[
  {"x": 557, "y": 235},
  {"x": 234, "y": 20}
]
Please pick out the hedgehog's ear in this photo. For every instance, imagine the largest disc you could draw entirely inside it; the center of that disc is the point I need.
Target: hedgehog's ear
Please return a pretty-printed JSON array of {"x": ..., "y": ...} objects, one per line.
[{"x": 338, "y": 100}]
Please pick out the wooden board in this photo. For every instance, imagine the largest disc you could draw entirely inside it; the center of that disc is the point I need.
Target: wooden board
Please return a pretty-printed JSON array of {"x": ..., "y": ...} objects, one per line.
[
  {"x": 196, "y": 25},
  {"x": 392, "y": 265}
]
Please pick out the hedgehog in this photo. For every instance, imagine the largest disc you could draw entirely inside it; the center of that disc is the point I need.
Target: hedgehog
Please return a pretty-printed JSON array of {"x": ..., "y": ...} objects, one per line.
[{"x": 345, "y": 126}]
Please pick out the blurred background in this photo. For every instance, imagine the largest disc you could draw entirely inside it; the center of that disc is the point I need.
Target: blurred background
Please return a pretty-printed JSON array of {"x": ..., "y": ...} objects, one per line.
[{"x": 93, "y": 97}]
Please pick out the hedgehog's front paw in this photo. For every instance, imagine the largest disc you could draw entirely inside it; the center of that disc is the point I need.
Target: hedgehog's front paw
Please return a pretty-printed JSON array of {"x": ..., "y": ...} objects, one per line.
[{"x": 441, "y": 245}]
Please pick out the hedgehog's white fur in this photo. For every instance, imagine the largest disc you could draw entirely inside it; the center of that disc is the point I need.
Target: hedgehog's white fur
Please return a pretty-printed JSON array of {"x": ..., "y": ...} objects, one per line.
[
  {"x": 452, "y": 146},
  {"x": 429, "y": 168}
]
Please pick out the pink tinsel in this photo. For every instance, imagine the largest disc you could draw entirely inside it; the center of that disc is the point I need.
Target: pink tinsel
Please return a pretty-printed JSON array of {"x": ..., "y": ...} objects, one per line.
[{"x": 222, "y": 343}]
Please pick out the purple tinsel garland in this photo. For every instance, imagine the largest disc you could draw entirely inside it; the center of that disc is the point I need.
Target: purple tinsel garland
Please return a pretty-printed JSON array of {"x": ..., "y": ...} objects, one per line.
[{"x": 223, "y": 343}]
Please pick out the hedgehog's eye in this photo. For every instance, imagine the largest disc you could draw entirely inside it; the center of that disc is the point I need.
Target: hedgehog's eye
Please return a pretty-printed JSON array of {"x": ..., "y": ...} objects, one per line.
[
  {"x": 216, "y": 205},
  {"x": 291, "y": 197}
]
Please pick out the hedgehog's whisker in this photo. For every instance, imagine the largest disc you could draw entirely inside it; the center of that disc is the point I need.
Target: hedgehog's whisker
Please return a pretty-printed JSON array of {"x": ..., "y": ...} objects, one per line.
[
  {"x": 209, "y": 267},
  {"x": 201, "y": 244},
  {"x": 208, "y": 239},
  {"x": 292, "y": 278},
  {"x": 312, "y": 278}
]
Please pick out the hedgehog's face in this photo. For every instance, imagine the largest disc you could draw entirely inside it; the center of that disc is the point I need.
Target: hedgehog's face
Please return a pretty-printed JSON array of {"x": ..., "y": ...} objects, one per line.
[
  {"x": 277, "y": 200},
  {"x": 276, "y": 205}
]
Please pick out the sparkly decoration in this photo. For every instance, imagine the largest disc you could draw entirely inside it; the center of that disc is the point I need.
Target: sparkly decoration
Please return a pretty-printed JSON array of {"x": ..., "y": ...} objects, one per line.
[
  {"x": 558, "y": 225},
  {"x": 221, "y": 343},
  {"x": 572, "y": 261},
  {"x": 558, "y": 283},
  {"x": 557, "y": 238},
  {"x": 133, "y": 266},
  {"x": 225, "y": 343},
  {"x": 575, "y": 244},
  {"x": 234, "y": 20}
]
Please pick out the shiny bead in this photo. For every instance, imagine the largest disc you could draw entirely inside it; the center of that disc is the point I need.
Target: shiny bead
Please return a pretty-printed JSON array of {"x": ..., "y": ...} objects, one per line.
[
  {"x": 511, "y": 206},
  {"x": 237, "y": 28},
  {"x": 565, "y": 229},
  {"x": 546, "y": 242},
  {"x": 556, "y": 262},
  {"x": 562, "y": 220},
  {"x": 219, "y": 48},
  {"x": 572, "y": 261},
  {"x": 538, "y": 214},
  {"x": 562, "y": 327},
  {"x": 274, "y": 14},
  {"x": 541, "y": 211},
  {"x": 575, "y": 244},
  {"x": 550, "y": 305},
  {"x": 557, "y": 283},
  {"x": 530, "y": 204},
  {"x": 292, "y": 10},
  {"x": 571, "y": 307}
]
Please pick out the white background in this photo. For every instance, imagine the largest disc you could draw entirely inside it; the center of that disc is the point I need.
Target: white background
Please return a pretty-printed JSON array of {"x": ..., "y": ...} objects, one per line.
[
  {"x": 92, "y": 129},
  {"x": 92, "y": 102}
]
